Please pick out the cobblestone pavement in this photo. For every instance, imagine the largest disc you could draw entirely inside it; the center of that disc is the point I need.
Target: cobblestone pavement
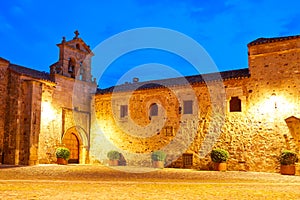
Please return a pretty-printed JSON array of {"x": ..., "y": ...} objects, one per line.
[{"x": 100, "y": 182}]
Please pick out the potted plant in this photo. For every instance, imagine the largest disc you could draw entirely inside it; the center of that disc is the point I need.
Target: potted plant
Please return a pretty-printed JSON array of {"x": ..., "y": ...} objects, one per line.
[
  {"x": 219, "y": 157},
  {"x": 158, "y": 159},
  {"x": 62, "y": 155},
  {"x": 287, "y": 160},
  {"x": 113, "y": 157}
]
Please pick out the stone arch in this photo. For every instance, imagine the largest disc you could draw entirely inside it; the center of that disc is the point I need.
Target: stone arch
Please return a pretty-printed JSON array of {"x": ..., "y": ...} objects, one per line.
[
  {"x": 154, "y": 108},
  {"x": 72, "y": 66},
  {"x": 293, "y": 124},
  {"x": 81, "y": 136}
]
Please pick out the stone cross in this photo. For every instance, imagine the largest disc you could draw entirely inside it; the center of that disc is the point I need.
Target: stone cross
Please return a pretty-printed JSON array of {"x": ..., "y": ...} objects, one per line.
[{"x": 76, "y": 34}]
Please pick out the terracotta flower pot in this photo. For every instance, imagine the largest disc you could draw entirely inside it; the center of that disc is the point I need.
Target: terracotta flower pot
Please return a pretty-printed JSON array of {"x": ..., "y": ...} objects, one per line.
[
  {"x": 158, "y": 164},
  {"x": 113, "y": 162},
  {"x": 61, "y": 161},
  {"x": 287, "y": 169},
  {"x": 220, "y": 166}
]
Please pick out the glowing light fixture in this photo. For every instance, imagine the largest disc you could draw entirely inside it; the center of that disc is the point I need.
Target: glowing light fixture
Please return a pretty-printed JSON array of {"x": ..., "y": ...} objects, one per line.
[{"x": 274, "y": 99}]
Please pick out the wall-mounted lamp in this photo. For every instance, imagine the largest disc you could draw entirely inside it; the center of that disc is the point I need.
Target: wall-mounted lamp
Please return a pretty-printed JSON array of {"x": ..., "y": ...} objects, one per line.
[{"x": 273, "y": 98}]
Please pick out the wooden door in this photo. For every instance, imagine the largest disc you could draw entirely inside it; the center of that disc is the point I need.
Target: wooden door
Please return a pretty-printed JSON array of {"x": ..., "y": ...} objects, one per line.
[{"x": 72, "y": 143}]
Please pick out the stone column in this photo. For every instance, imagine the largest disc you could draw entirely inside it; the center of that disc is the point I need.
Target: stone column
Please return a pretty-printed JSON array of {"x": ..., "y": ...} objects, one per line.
[{"x": 31, "y": 126}]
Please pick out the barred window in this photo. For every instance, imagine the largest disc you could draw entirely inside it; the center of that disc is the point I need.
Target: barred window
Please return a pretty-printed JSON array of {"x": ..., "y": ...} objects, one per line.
[
  {"x": 169, "y": 131},
  {"x": 187, "y": 159}
]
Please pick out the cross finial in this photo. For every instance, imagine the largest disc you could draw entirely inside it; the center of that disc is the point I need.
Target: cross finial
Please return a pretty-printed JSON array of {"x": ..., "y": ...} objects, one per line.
[{"x": 76, "y": 34}]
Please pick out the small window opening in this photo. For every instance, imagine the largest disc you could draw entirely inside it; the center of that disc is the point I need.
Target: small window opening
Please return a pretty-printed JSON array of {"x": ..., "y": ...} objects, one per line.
[
  {"x": 153, "y": 110},
  {"x": 81, "y": 71},
  {"x": 235, "y": 104},
  {"x": 123, "y": 111},
  {"x": 188, "y": 107},
  {"x": 169, "y": 131},
  {"x": 187, "y": 160}
]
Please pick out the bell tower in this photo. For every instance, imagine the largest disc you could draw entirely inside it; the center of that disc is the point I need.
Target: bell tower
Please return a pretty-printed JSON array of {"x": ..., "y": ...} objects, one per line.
[{"x": 74, "y": 59}]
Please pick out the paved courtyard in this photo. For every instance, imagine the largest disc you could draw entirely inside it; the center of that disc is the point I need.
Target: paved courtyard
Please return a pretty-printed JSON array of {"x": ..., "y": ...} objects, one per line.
[{"x": 100, "y": 182}]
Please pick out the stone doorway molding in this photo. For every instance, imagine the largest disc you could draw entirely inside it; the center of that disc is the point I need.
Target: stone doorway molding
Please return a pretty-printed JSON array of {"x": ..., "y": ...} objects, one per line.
[
  {"x": 293, "y": 124},
  {"x": 83, "y": 142}
]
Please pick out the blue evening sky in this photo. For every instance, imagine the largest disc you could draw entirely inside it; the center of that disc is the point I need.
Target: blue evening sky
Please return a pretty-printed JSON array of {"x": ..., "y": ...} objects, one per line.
[{"x": 30, "y": 30}]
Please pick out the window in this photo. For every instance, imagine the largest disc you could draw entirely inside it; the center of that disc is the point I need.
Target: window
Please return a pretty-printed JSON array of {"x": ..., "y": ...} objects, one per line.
[
  {"x": 187, "y": 160},
  {"x": 169, "y": 131},
  {"x": 153, "y": 110},
  {"x": 123, "y": 111},
  {"x": 188, "y": 107},
  {"x": 235, "y": 104},
  {"x": 81, "y": 71}
]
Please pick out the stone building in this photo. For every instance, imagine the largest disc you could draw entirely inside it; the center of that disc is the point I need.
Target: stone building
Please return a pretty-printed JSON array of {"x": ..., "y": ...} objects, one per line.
[
  {"x": 41, "y": 111},
  {"x": 253, "y": 112}
]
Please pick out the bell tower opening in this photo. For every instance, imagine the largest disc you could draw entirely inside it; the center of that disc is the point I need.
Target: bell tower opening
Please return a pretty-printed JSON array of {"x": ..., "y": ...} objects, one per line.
[{"x": 71, "y": 67}]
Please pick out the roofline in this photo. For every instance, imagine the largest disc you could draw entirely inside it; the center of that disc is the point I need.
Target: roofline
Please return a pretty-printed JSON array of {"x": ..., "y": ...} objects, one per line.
[
  {"x": 33, "y": 78},
  {"x": 3, "y": 59},
  {"x": 28, "y": 75},
  {"x": 271, "y": 40},
  {"x": 79, "y": 39},
  {"x": 188, "y": 79}
]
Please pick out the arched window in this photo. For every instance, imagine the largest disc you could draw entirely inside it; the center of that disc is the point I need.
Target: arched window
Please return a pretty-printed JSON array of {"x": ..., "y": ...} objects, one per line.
[
  {"x": 153, "y": 110},
  {"x": 235, "y": 104},
  {"x": 71, "y": 66},
  {"x": 77, "y": 46}
]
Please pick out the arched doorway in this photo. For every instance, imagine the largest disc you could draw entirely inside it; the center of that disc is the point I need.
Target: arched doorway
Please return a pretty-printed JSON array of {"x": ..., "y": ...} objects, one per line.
[
  {"x": 71, "y": 141},
  {"x": 75, "y": 138}
]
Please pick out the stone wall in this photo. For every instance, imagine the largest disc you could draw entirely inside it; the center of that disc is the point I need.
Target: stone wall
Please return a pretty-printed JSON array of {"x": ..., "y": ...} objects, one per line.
[
  {"x": 41, "y": 108},
  {"x": 65, "y": 105},
  {"x": 274, "y": 63},
  {"x": 12, "y": 120},
  {"x": 3, "y": 98},
  {"x": 254, "y": 137},
  {"x": 22, "y": 120},
  {"x": 30, "y": 126},
  {"x": 38, "y": 113}
]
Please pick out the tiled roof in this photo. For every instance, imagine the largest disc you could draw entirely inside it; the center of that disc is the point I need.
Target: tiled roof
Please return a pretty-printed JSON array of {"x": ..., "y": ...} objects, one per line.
[
  {"x": 30, "y": 72},
  {"x": 240, "y": 73},
  {"x": 269, "y": 40}
]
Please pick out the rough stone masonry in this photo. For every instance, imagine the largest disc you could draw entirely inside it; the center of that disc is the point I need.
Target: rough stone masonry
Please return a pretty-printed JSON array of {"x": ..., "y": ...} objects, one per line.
[{"x": 254, "y": 114}]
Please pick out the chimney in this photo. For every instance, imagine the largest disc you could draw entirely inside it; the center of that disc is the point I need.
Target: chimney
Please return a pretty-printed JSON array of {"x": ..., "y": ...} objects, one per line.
[{"x": 135, "y": 80}]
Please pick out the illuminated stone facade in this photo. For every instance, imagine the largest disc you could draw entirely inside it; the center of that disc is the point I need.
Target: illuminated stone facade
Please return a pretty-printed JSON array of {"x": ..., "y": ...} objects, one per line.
[
  {"x": 256, "y": 113},
  {"x": 253, "y": 112},
  {"x": 41, "y": 109}
]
